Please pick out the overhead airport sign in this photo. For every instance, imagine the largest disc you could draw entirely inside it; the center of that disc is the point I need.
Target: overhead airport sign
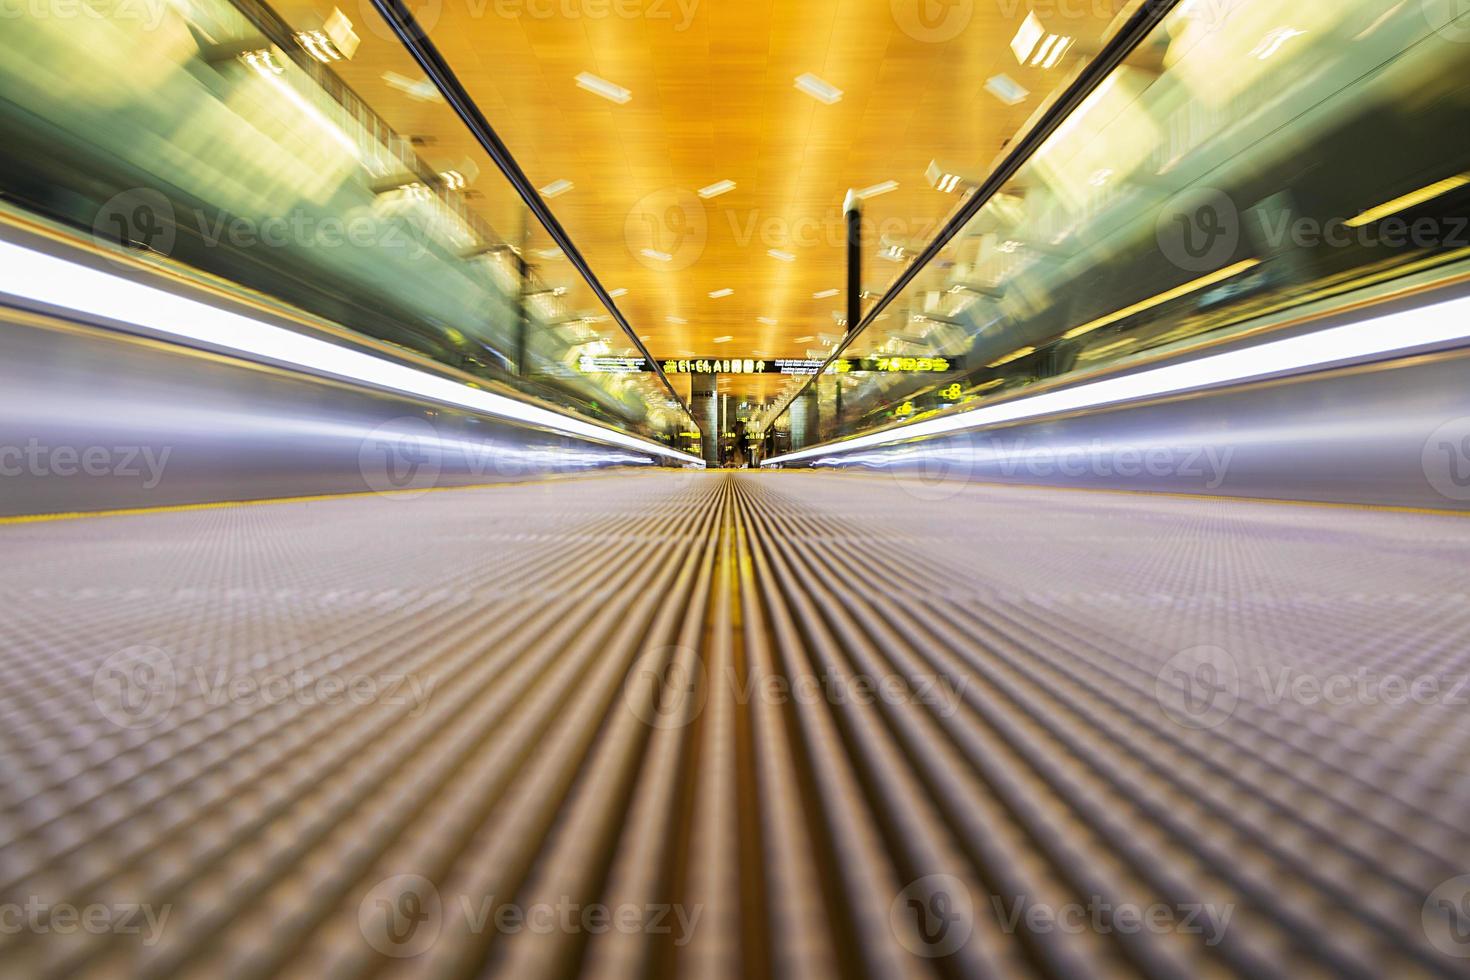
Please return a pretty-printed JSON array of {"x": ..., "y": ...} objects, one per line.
[{"x": 789, "y": 366}]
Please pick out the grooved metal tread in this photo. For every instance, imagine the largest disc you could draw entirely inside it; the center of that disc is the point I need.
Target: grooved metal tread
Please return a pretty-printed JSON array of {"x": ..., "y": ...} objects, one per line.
[{"x": 737, "y": 725}]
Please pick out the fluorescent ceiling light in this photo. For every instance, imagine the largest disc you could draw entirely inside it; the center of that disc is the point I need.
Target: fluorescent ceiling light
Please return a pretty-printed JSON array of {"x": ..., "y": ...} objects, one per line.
[
  {"x": 422, "y": 89},
  {"x": 1007, "y": 89},
  {"x": 1014, "y": 355},
  {"x": 721, "y": 293},
  {"x": 265, "y": 66},
  {"x": 803, "y": 340},
  {"x": 59, "y": 282},
  {"x": 826, "y": 294},
  {"x": 655, "y": 254},
  {"x": 601, "y": 86},
  {"x": 1034, "y": 46},
  {"x": 723, "y": 340},
  {"x": 1410, "y": 200},
  {"x": 1272, "y": 42},
  {"x": 941, "y": 180},
  {"x": 875, "y": 190},
  {"x": 768, "y": 321},
  {"x": 716, "y": 189},
  {"x": 615, "y": 293},
  {"x": 556, "y": 188},
  {"x": 1027, "y": 37},
  {"x": 676, "y": 319},
  {"x": 1229, "y": 272},
  {"x": 1437, "y": 324},
  {"x": 818, "y": 89},
  {"x": 777, "y": 253}
]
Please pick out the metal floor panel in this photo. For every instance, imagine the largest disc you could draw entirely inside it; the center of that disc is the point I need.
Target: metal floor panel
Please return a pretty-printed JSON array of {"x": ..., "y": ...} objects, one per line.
[{"x": 713, "y": 725}]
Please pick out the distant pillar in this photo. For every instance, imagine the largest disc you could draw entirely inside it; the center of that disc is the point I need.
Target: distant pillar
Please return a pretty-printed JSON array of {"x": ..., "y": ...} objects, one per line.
[
  {"x": 706, "y": 406},
  {"x": 804, "y": 419},
  {"x": 854, "y": 215}
]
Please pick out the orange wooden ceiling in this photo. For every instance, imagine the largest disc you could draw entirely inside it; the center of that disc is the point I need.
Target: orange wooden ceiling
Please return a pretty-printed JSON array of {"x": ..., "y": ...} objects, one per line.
[{"x": 713, "y": 98}]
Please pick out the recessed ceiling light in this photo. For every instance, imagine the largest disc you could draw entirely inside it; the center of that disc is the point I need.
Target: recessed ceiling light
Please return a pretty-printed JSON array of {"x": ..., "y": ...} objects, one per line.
[
  {"x": 941, "y": 180},
  {"x": 676, "y": 319},
  {"x": 818, "y": 89},
  {"x": 716, "y": 189},
  {"x": 1032, "y": 41},
  {"x": 826, "y": 294},
  {"x": 1007, "y": 89},
  {"x": 776, "y": 253},
  {"x": 721, "y": 293},
  {"x": 421, "y": 90},
  {"x": 655, "y": 254},
  {"x": 803, "y": 340},
  {"x": 768, "y": 321},
  {"x": 618, "y": 292},
  {"x": 600, "y": 86},
  {"x": 556, "y": 188},
  {"x": 875, "y": 190},
  {"x": 723, "y": 340}
]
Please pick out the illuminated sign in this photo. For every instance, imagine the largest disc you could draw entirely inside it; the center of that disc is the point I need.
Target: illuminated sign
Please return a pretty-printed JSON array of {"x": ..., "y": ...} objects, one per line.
[
  {"x": 726, "y": 365},
  {"x": 588, "y": 364}
]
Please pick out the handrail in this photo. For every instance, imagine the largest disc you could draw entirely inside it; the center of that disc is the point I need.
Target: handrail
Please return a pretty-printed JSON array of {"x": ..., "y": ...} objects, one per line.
[
  {"x": 416, "y": 40},
  {"x": 1119, "y": 46}
]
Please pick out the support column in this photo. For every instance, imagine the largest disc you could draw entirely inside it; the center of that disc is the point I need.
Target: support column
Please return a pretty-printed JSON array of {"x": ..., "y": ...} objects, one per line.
[
  {"x": 804, "y": 419},
  {"x": 854, "y": 213},
  {"x": 705, "y": 404}
]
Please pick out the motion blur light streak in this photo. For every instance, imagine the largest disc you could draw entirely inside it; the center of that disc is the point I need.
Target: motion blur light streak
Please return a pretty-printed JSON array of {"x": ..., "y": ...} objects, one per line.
[
  {"x": 1440, "y": 323},
  {"x": 57, "y": 282}
]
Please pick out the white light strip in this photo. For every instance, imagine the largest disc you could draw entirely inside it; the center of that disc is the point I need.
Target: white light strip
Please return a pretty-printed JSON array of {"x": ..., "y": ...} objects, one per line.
[
  {"x": 44, "y": 278},
  {"x": 601, "y": 86},
  {"x": 716, "y": 189},
  {"x": 819, "y": 89},
  {"x": 875, "y": 190},
  {"x": 1427, "y": 325}
]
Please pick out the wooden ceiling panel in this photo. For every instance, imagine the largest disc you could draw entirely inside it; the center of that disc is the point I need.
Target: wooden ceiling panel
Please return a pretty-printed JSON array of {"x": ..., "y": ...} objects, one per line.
[{"x": 717, "y": 101}]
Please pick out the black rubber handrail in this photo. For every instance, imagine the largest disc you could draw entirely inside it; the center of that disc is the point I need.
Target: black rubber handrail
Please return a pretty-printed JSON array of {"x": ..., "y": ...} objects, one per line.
[
  {"x": 1120, "y": 46},
  {"x": 416, "y": 40}
]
